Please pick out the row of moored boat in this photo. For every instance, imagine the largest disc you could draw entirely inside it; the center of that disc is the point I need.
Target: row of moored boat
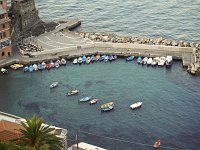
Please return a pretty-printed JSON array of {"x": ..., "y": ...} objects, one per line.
[
  {"x": 89, "y": 59},
  {"x": 160, "y": 61}
]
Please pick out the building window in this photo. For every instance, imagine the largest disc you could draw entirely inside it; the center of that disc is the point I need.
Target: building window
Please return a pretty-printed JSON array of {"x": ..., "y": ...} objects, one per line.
[
  {"x": 1, "y": 35},
  {"x": 8, "y": 53},
  {"x": 4, "y": 25},
  {"x": 1, "y": 2},
  {"x": 4, "y": 34},
  {"x": 2, "y": 54}
]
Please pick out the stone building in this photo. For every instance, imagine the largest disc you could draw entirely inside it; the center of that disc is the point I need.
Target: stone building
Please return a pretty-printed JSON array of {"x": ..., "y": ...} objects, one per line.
[
  {"x": 25, "y": 13},
  {"x": 5, "y": 38},
  {"x": 26, "y": 21}
]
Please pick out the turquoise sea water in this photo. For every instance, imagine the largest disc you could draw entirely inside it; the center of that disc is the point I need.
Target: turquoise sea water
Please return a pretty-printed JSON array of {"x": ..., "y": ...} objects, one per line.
[{"x": 170, "y": 99}]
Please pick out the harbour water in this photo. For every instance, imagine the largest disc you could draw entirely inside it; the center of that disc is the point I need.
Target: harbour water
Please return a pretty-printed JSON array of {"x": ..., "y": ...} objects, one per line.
[{"x": 170, "y": 97}]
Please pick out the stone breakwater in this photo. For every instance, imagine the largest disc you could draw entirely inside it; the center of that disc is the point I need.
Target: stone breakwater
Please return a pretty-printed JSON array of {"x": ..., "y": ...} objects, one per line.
[{"x": 111, "y": 37}]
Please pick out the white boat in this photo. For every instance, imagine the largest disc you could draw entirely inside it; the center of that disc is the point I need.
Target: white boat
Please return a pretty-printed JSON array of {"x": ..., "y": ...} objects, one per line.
[
  {"x": 72, "y": 92},
  {"x": 136, "y": 105},
  {"x": 4, "y": 71},
  {"x": 53, "y": 85},
  {"x": 161, "y": 61},
  {"x": 144, "y": 61},
  {"x": 43, "y": 65},
  {"x": 79, "y": 60},
  {"x": 85, "y": 99},
  {"x": 149, "y": 61},
  {"x": 63, "y": 61},
  {"x": 169, "y": 61},
  {"x": 35, "y": 67},
  {"x": 88, "y": 60},
  {"x": 93, "y": 101},
  {"x": 75, "y": 61},
  {"x": 155, "y": 61}
]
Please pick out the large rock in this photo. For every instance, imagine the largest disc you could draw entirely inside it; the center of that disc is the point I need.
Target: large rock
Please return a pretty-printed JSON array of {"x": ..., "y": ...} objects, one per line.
[{"x": 105, "y": 38}]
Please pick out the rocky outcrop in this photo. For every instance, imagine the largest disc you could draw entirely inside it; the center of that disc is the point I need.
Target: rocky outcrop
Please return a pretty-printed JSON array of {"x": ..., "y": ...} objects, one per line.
[{"x": 110, "y": 37}]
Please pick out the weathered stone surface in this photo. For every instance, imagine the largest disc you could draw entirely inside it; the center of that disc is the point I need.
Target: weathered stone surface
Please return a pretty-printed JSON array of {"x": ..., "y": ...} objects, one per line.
[{"x": 105, "y": 38}]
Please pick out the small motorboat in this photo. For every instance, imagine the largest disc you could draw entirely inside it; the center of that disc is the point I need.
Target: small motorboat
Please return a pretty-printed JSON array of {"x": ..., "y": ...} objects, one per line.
[
  {"x": 43, "y": 65},
  {"x": 110, "y": 57},
  {"x": 72, "y": 92},
  {"x": 92, "y": 58},
  {"x": 83, "y": 59},
  {"x": 85, "y": 99},
  {"x": 149, "y": 61},
  {"x": 52, "y": 64},
  {"x": 106, "y": 58},
  {"x": 144, "y": 61},
  {"x": 157, "y": 144},
  {"x": 63, "y": 61},
  {"x": 25, "y": 69},
  {"x": 139, "y": 59},
  {"x": 93, "y": 101},
  {"x": 130, "y": 58},
  {"x": 136, "y": 105},
  {"x": 53, "y": 85},
  {"x": 40, "y": 67},
  {"x": 88, "y": 60},
  {"x": 79, "y": 60},
  {"x": 30, "y": 68},
  {"x": 97, "y": 57},
  {"x": 57, "y": 65},
  {"x": 169, "y": 61},
  {"x": 48, "y": 66},
  {"x": 4, "y": 71},
  {"x": 114, "y": 57},
  {"x": 75, "y": 61},
  {"x": 16, "y": 66},
  {"x": 154, "y": 61},
  {"x": 35, "y": 67},
  {"x": 19, "y": 65},
  {"x": 13, "y": 67},
  {"x": 108, "y": 106},
  {"x": 161, "y": 61}
]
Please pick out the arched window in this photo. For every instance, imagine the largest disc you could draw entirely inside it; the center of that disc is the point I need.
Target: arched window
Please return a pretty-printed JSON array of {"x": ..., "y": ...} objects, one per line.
[
  {"x": 8, "y": 53},
  {"x": 2, "y": 54}
]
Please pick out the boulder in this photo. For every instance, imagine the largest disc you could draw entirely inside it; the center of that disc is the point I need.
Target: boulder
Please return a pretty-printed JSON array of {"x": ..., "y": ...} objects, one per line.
[
  {"x": 174, "y": 43},
  {"x": 105, "y": 38}
]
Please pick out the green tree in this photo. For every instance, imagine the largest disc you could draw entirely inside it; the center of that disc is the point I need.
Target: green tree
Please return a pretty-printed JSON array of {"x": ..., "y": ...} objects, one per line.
[{"x": 37, "y": 136}]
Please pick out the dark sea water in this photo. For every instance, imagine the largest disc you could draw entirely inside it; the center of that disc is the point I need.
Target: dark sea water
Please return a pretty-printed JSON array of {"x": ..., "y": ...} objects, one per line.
[{"x": 171, "y": 97}]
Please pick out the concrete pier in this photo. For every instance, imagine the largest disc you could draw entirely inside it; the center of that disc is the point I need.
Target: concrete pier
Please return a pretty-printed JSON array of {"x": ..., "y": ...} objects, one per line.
[{"x": 58, "y": 44}]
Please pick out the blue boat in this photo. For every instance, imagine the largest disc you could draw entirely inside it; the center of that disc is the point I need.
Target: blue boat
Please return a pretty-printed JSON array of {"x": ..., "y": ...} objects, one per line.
[
  {"x": 25, "y": 69},
  {"x": 92, "y": 58},
  {"x": 139, "y": 59},
  {"x": 83, "y": 59},
  {"x": 130, "y": 58},
  {"x": 85, "y": 99},
  {"x": 30, "y": 68},
  {"x": 102, "y": 58},
  {"x": 40, "y": 66}
]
